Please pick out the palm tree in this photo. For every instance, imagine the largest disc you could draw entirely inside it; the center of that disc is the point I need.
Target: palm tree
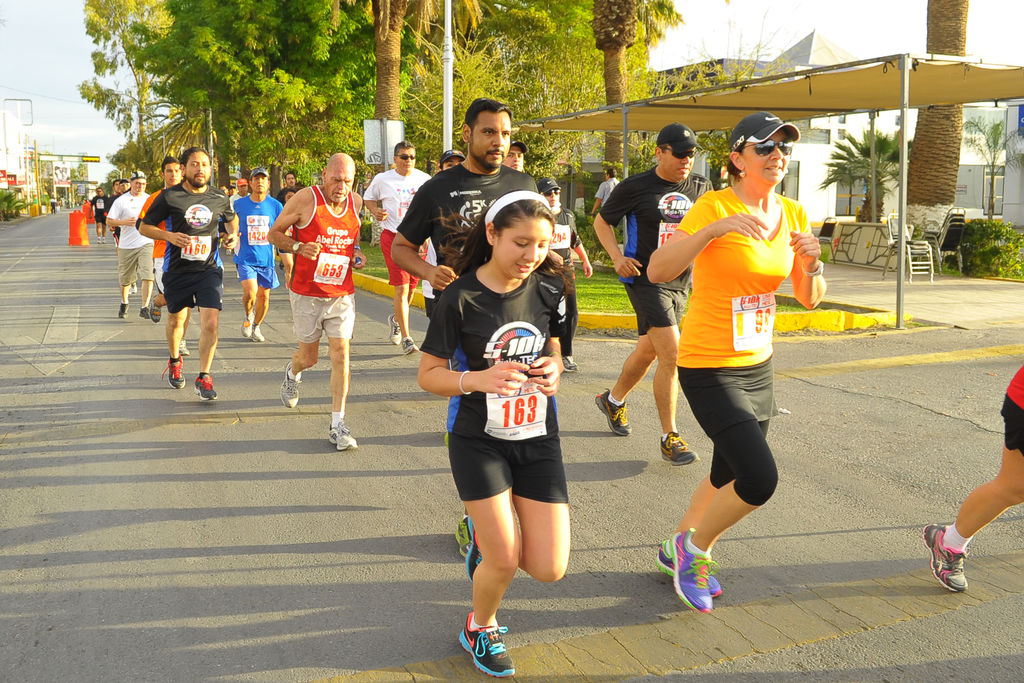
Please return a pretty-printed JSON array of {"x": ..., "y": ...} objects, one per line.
[
  {"x": 935, "y": 158},
  {"x": 850, "y": 164},
  {"x": 992, "y": 143}
]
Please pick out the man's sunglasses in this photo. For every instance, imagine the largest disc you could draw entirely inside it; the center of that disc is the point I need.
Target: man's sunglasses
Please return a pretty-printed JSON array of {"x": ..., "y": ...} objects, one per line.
[
  {"x": 688, "y": 154},
  {"x": 550, "y": 192},
  {"x": 768, "y": 146},
  {"x": 407, "y": 157}
]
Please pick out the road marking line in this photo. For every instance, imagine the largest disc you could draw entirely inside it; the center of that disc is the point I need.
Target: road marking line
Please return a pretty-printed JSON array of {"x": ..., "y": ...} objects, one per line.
[{"x": 888, "y": 362}]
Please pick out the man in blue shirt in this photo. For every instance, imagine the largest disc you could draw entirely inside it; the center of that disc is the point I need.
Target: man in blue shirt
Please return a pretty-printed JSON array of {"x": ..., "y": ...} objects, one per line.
[{"x": 255, "y": 258}]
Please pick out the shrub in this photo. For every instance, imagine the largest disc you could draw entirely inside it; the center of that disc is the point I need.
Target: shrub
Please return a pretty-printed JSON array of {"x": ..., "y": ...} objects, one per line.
[
  {"x": 992, "y": 248},
  {"x": 10, "y": 205}
]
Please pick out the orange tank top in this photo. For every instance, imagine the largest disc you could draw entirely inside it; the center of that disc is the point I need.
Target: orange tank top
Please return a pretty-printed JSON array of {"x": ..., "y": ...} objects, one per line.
[{"x": 330, "y": 275}]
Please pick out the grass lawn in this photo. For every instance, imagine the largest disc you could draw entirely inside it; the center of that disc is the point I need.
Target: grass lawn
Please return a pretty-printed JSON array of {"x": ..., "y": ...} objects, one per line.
[{"x": 601, "y": 293}]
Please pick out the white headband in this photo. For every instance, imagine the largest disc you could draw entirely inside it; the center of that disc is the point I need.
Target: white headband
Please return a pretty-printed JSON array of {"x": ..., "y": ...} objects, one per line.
[{"x": 510, "y": 198}]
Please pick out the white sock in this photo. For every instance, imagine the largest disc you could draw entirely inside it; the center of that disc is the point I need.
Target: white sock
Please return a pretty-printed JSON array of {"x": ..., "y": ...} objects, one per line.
[
  {"x": 337, "y": 418},
  {"x": 952, "y": 539},
  {"x": 691, "y": 548},
  {"x": 293, "y": 376},
  {"x": 665, "y": 435},
  {"x": 473, "y": 626},
  {"x": 614, "y": 401}
]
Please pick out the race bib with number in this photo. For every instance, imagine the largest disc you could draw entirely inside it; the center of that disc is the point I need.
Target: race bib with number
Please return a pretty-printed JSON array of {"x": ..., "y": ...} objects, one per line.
[
  {"x": 561, "y": 237},
  {"x": 258, "y": 229},
  {"x": 753, "y": 319},
  {"x": 331, "y": 268},
  {"x": 665, "y": 232},
  {"x": 518, "y": 417},
  {"x": 198, "y": 248}
]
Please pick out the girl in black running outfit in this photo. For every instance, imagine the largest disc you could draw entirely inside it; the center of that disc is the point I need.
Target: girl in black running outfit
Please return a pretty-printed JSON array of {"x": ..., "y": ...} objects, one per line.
[{"x": 500, "y": 322}]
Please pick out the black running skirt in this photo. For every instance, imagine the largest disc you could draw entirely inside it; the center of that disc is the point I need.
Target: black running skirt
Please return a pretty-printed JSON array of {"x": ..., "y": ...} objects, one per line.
[{"x": 722, "y": 397}]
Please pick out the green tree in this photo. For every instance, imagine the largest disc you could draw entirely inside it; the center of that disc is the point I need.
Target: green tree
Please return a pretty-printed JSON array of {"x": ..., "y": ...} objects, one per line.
[
  {"x": 121, "y": 30},
  {"x": 284, "y": 81},
  {"x": 991, "y": 142},
  {"x": 850, "y": 164}
]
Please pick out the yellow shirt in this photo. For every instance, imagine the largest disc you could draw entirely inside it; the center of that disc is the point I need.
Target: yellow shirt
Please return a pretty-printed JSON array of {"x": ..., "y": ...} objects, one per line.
[{"x": 732, "y": 308}]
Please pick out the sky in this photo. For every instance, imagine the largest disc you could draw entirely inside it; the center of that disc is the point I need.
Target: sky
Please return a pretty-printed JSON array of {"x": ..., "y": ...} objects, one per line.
[{"x": 46, "y": 49}]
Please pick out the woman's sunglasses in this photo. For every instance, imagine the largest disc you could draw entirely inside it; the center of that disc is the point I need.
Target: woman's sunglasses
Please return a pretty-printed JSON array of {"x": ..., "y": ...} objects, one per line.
[{"x": 768, "y": 146}]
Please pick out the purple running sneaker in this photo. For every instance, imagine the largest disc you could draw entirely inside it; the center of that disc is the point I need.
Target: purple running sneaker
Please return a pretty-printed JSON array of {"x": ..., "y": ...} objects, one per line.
[
  {"x": 667, "y": 565},
  {"x": 690, "y": 578}
]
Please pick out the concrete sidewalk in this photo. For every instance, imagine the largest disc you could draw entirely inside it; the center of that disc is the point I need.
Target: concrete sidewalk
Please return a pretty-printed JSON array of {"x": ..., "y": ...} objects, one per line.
[{"x": 969, "y": 303}]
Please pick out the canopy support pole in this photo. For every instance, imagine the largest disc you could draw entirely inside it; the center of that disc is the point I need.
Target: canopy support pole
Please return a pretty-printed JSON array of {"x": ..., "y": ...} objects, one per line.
[
  {"x": 625, "y": 140},
  {"x": 901, "y": 242}
]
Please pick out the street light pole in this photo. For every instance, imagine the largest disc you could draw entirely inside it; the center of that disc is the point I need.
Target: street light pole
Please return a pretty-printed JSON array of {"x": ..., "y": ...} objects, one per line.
[{"x": 447, "y": 60}]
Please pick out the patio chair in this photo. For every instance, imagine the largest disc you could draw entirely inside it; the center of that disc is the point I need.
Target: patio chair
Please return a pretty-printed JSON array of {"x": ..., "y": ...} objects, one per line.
[
  {"x": 827, "y": 232},
  {"x": 952, "y": 234},
  {"x": 918, "y": 253}
]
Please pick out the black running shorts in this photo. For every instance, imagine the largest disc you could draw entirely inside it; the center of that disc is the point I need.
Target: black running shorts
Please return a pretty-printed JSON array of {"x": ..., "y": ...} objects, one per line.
[
  {"x": 483, "y": 468},
  {"x": 656, "y": 306},
  {"x": 185, "y": 290},
  {"x": 1013, "y": 421}
]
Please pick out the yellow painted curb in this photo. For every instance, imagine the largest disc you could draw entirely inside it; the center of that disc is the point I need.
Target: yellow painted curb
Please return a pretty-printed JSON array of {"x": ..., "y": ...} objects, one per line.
[{"x": 827, "y": 321}]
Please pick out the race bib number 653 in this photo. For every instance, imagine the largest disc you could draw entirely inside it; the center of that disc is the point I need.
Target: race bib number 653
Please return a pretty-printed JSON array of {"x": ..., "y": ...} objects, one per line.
[{"x": 331, "y": 268}]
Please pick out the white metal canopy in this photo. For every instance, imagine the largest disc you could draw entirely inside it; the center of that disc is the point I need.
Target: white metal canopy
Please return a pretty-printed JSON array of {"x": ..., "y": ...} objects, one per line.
[{"x": 896, "y": 82}]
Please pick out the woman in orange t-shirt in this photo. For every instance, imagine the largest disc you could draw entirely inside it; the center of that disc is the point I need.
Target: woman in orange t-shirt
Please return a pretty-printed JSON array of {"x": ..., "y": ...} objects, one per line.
[{"x": 743, "y": 241}]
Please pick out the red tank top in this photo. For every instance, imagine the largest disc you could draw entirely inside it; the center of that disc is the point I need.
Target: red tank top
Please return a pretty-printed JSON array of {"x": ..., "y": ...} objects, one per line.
[
  {"x": 1016, "y": 388},
  {"x": 330, "y": 275}
]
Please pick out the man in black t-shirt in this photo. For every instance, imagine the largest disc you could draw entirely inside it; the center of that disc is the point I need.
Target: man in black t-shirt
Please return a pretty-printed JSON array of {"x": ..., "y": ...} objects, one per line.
[
  {"x": 652, "y": 203},
  {"x": 100, "y": 205},
  {"x": 462, "y": 192},
  {"x": 289, "y": 186},
  {"x": 194, "y": 276}
]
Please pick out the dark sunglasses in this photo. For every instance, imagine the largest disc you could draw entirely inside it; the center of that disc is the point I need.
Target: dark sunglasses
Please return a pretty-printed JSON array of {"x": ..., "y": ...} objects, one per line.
[
  {"x": 768, "y": 146},
  {"x": 407, "y": 157},
  {"x": 552, "y": 192},
  {"x": 688, "y": 154}
]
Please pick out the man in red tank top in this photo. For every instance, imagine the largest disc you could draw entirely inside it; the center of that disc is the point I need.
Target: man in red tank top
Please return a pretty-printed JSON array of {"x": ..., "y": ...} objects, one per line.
[{"x": 324, "y": 220}]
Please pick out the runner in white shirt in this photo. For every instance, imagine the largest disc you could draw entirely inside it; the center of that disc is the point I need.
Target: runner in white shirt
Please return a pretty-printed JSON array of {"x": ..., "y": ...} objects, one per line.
[
  {"x": 388, "y": 198},
  {"x": 134, "y": 252}
]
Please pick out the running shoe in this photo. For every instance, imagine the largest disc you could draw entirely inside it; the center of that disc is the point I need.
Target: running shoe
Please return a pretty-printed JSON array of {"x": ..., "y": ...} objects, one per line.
[
  {"x": 462, "y": 535},
  {"x": 408, "y": 346},
  {"x": 183, "y": 349},
  {"x": 690, "y": 576},
  {"x": 257, "y": 336},
  {"x": 247, "y": 327},
  {"x": 569, "y": 364},
  {"x": 144, "y": 312},
  {"x": 473, "y": 556},
  {"x": 290, "y": 389},
  {"x": 395, "y": 332},
  {"x": 341, "y": 437},
  {"x": 667, "y": 565},
  {"x": 617, "y": 419},
  {"x": 154, "y": 314},
  {"x": 947, "y": 565},
  {"x": 204, "y": 388},
  {"x": 676, "y": 451},
  {"x": 173, "y": 373},
  {"x": 488, "y": 650},
  {"x": 122, "y": 311}
]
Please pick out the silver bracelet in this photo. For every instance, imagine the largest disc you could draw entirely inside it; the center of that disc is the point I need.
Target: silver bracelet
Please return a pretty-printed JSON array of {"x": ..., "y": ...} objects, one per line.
[
  {"x": 462, "y": 377},
  {"x": 817, "y": 271}
]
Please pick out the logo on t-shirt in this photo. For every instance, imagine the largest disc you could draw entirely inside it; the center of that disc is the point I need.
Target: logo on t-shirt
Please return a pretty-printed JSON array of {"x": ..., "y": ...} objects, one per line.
[
  {"x": 198, "y": 215},
  {"x": 518, "y": 341},
  {"x": 674, "y": 205}
]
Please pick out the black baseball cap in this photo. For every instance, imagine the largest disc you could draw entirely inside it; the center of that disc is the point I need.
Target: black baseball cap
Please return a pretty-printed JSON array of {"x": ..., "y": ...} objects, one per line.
[
  {"x": 518, "y": 143},
  {"x": 259, "y": 170},
  {"x": 545, "y": 185},
  {"x": 138, "y": 175},
  {"x": 758, "y": 127},
  {"x": 677, "y": 136},
  {"x": 451, "y": 154}
]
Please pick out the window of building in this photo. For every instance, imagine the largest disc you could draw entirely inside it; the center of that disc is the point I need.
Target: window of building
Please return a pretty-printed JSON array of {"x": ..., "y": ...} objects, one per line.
[
  {"x": 790, "y": 186},
  {"x": 849, "y": 199}
]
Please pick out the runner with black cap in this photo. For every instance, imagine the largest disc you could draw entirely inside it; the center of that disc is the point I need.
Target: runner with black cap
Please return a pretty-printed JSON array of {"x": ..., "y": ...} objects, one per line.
[
  {"x": 653, "y": 203},
  {"x": 452, "y": 157},
  {"x": 516, "y": 157},
  {"x": 254, "y": 261},
  {"x": 564, "y": 243},
  {"x": 742, "y": 242}
]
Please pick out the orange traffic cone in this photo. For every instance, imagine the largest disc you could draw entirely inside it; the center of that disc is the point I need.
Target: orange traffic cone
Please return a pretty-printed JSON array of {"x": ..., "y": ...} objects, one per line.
[{"x": 78, "y": 233}]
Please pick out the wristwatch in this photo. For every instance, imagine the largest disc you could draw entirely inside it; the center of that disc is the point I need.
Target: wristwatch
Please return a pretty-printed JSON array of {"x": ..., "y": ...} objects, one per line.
[{"x": 295, "y": 247}]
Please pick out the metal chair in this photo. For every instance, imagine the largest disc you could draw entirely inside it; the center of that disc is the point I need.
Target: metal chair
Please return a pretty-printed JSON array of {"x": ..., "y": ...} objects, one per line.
[
  {"x": 952, "y": 233},
  {"x": 918, "y": 253},
  {"x": 826, "y": 235}
]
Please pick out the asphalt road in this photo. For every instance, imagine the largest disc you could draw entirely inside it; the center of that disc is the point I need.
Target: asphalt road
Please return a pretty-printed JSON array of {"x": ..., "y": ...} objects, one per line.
[{"x": 145, "y": 535}]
